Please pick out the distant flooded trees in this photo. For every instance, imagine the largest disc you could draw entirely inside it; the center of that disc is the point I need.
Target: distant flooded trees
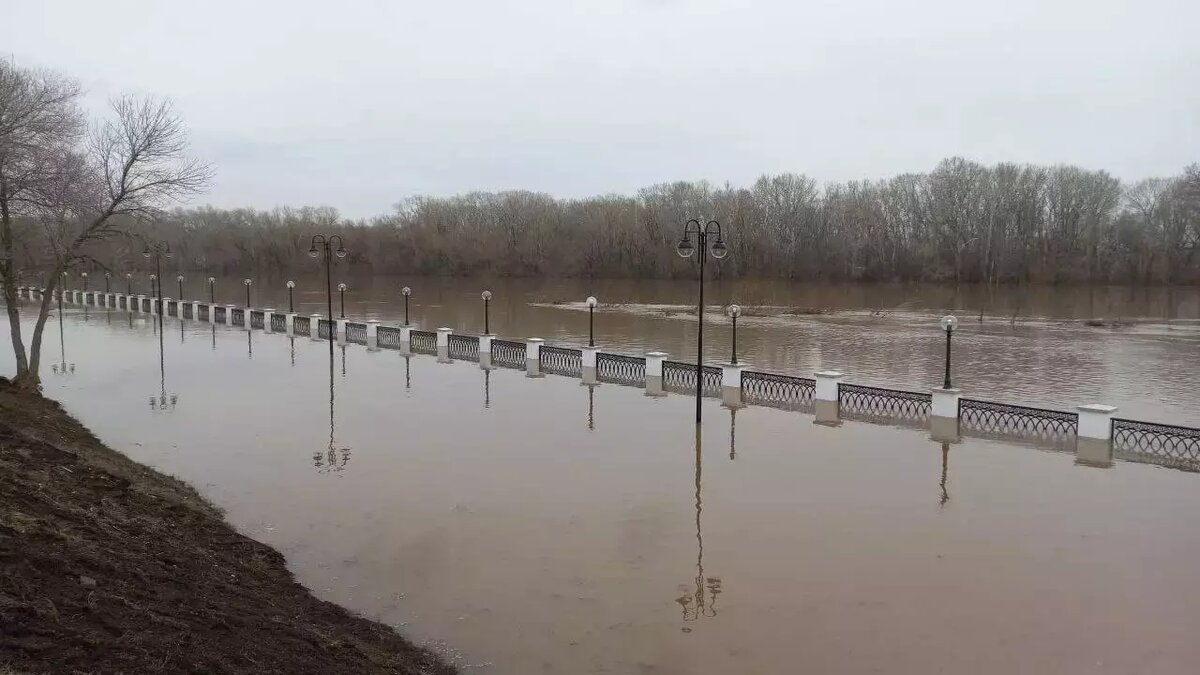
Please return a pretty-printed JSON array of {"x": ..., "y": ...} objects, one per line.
[{"x": 962, "y": 221}]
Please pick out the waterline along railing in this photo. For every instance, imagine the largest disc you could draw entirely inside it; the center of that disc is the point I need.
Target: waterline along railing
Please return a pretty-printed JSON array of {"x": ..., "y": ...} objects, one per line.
[{"x": 1092, "y": 432}]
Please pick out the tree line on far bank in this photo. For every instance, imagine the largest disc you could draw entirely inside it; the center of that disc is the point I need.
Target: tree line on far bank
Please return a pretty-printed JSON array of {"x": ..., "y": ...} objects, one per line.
[{"x": 962, "y": 221}]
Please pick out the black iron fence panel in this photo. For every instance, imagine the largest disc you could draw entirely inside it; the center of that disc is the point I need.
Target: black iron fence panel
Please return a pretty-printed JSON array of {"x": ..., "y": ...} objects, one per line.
[
  {"x": 561, "y": 361},
  {"x": 1150, "y": 442},
  {"x": 988, "y": 418},
  {"x": 188, "y": 310},
  {"x": 777, "y": 391},
  {"x": 239, "y": 316},
  {"x": 878, "y": 403},
  {"x": 123, "y": 302},
  {"x": 388, "y": 337},
  {"x": 205, "y": 312},
  {"x": 219, "y": 316},
  {"x": 325, "y": 328},
  {"x": 356, "y": 332},
  {"x": 423, "y": 341},
  {"x": 621, "y": 369},
  {"x": 256, "y": 318},
  {"x": 146, "y": 304},
  {"x": 508, "y": 353},
  {"x": 302, "y": 325},
  {"x": 278, "y": 322},
  {"x": 463, "y": 347},
  {"x": 680, "y": 378}
]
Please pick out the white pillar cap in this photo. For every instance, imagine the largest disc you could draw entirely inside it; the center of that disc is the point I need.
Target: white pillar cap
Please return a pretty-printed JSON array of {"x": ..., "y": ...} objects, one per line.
[
  {"x": 827, "y": 373},
  {"x": 657, "y": 354},
  {"x": 1097, "y": 408}
]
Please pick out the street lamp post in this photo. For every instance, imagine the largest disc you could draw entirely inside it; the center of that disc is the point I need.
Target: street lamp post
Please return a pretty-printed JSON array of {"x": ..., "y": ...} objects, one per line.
[
  {"x": 247, "y": 282},
  {"x": 342, "y": 299},
  {"x": 291, "y": 305},
  {"x": 686, "y": 247},
  {"x": 949, "y": 323},
  {"x": 179, "y": 278},
  {"x": 128, "y": 284},
  {"x": 153, "y": 285},
  {"x": 107, "y": 279},
  {"x": 591, "y": 305},
  {"x": 326, "y": 242},
  {"x": 487, "y": 299},
  {"x": 212, "y": 292},
  {"x": 85, "y": 284},
  {"x": 159, "y": 249},
  {"x": 734, "y": 312},
  {"x": 407, "y": 292}
]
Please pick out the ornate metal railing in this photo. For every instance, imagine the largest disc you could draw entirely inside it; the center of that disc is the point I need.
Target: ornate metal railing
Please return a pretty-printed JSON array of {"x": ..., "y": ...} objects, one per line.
[
  {"x": 256, "y": 318},
  {"x": 388, "y": 337},
  {"x": 239, "y": 316},
  {"x": 561, "y": 361},
  {"x": 620, "y": 369},
  {"x": 172, "y": 308},
  {"x": 681, "y": 378},
  {"x": 508, "y": 353},
  {"x": 356, "y": 332},
  {"x": 278, "y": 322},
  {"x": 987, "y": 418},
  {"x": 777, "y": 391},
  {"x": 188, "y": 312},
  {"x": 219, "y": 317},
  {"x": 205, "y": 312},
  {"x": 423, "y": 341},
  {"x": 324, "y": 328},
  {"x": 122, "y": 302},
  {"x": 463, "y": 347},
  {"x": 302, "y": 325},
  {"x": 856, "y": 401},
  {"x": 146, "y": 304},
  {"x": 1150, "y": 442}
]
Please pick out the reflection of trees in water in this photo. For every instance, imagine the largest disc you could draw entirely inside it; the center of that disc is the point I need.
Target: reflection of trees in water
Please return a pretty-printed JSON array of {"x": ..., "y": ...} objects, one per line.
[{"x": 701, "y": 599}]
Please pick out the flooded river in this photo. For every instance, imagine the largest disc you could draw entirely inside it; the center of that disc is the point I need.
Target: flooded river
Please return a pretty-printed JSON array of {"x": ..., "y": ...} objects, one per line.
[{"x": 542, "y": 526}]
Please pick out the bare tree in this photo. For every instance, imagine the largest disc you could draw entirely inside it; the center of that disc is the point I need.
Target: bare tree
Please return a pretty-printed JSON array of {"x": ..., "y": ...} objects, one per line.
[{"x": 130, "y": 166}]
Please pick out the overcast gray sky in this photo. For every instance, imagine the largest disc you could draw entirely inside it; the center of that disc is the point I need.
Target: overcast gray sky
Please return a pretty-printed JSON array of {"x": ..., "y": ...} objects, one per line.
[{"x": 356, "y": 104}]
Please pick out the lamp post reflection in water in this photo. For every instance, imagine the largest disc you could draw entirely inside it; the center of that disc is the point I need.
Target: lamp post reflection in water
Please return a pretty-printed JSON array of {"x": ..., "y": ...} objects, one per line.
[
  {"x": 332, "y": 459},
  {"x": 163, "y": 401},
  {"x": 945, "y": 495},
  {"x": 701, "y": 600}
]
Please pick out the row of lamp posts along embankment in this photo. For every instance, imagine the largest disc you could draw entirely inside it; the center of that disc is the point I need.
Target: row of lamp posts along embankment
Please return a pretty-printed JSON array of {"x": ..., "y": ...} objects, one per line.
[{"x": 1094, "y": 421}]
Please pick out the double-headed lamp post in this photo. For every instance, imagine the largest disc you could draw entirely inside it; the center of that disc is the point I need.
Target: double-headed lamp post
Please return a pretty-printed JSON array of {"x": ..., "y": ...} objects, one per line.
[
  {"x": 406, "y": 291},
  {"x": 342, "y": 298},
  {"x": 487, "y": 299},
  {"x": 591, "y": 305},
  {"x": 695, "y": 236},
  {"x": 247, "y": 283},
  {"x": 949, "y": 323},
  {"x": 291, "y": 306},
  {"x": 326, "y": 247},
  {"x": 734, "y": 312}
]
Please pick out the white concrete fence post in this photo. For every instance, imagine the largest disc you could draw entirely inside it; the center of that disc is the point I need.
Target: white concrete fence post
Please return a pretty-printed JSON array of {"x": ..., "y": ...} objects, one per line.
[
  {"x": 588, "y": 363},
  {"x": 443, "y": 344},
  {"x": 533, "y": 357},
  {"x": 943, "y": 414},
  {"x": 654, "y": 371},
  {"x": 1093, "y": 439},
  {"x": 372, "y": 335},
  {"x": 139, "y": 300},
  {"x": 268, "y": 315},
  {"x": 731, "y": 384},
  {"x": 405, "y": 339},
  {"x": 229, "y": 314},
  {"x": 314, "y": 326},
  {"x": 290, "y": 324},
  {"x": 341, "y": 329},
  {"x": 485, "y": 344},
  {"x": 825, "y": 397}
]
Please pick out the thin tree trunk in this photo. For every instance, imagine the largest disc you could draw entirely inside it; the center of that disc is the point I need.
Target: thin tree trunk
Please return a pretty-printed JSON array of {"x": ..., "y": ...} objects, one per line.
[{"x": 10, "y": 282}]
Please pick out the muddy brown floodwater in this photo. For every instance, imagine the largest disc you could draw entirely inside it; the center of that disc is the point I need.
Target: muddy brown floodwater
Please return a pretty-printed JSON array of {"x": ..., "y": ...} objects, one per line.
[{"x": 529, "y": 525}]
